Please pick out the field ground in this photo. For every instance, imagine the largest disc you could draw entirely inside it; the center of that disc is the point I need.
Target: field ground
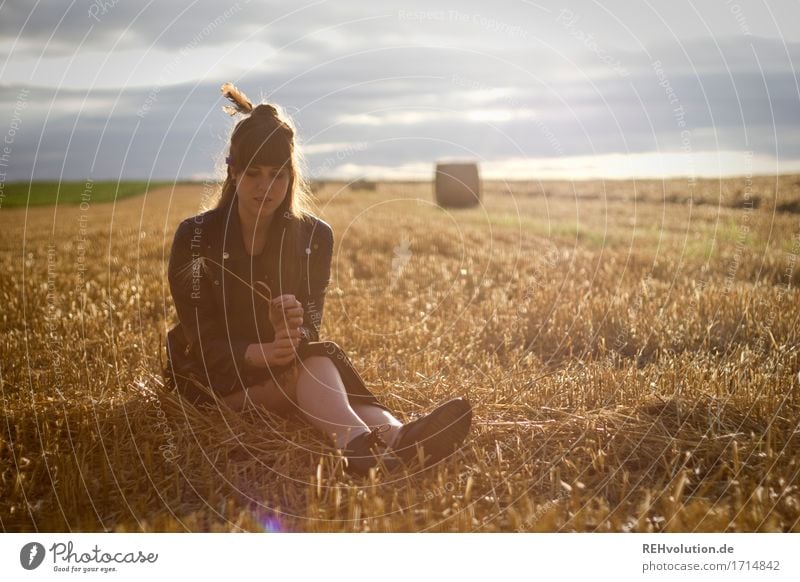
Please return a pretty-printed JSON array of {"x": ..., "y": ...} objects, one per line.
[
  {"x": 631, "y": 351},
  {"x": 23, "y": 194}
]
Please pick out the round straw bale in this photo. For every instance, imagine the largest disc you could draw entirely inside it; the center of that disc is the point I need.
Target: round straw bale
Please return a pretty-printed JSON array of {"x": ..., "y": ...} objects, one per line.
[
  {"x": 363, "y": 185},
  {"x": 458, "y": 184}
]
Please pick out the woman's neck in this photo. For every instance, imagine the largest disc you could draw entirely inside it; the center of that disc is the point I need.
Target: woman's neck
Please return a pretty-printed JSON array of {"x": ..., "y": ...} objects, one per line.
[{"x": 254, "y": 229}]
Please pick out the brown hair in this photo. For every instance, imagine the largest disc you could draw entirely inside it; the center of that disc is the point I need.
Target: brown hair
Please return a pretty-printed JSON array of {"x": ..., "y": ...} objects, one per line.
[{"x": 266, "y": 137}]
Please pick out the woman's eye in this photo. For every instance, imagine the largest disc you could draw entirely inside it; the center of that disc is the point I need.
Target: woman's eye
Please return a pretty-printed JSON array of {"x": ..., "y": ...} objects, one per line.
[{"x": 272, "y": 175}]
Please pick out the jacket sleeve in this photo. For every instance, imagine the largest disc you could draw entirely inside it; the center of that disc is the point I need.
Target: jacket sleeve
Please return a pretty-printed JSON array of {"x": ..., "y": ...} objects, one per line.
[
  {"x": 319, "y": 276},
  {"x": 200, "y": 319}
]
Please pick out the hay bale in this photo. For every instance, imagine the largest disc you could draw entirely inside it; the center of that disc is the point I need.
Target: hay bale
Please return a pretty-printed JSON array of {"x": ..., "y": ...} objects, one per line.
[
  {"x": 458, "y": 184},
  {"x": 364, "y": 185}
]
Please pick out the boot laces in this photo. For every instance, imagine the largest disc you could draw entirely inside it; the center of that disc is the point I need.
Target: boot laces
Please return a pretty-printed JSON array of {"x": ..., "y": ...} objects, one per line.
[{"x": 374, "y": 437}]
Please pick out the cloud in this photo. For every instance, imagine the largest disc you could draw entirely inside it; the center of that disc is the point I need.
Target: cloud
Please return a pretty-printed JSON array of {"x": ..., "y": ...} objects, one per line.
[
  {"x": 134, "y": 91},
  {"x": 57, "y": 31}
]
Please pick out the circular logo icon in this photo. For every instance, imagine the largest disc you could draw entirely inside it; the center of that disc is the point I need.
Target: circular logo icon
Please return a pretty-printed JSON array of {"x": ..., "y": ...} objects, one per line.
[{"x": 31, "y": 555}]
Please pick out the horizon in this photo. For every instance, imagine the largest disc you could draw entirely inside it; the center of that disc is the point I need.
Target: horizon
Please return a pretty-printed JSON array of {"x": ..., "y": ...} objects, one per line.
[{"x": 677, "y": 178}]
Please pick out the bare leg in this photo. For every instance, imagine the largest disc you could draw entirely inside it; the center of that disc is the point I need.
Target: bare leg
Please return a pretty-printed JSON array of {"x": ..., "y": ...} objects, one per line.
[
  {"x": 322, "y": 399},
  {"x": 266, "y": 394},
  {"x": 375, "y": 416}
]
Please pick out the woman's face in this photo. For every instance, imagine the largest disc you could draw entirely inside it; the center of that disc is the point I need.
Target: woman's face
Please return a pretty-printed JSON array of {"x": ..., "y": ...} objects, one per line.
[{"x": 261, "y": 189}]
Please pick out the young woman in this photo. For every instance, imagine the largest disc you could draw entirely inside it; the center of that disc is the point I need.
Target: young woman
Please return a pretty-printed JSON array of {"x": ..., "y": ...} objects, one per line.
[{"x": 248, "y": 279}]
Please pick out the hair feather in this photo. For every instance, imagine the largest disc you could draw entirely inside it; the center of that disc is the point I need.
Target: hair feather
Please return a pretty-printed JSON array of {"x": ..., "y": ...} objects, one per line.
[{"x": 241, "y": 104}]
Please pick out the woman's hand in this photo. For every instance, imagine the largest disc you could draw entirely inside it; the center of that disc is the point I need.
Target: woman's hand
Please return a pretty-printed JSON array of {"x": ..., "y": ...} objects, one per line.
[
  {"x": 278, "y": 352},
  {"x": 285, "y": 311}
]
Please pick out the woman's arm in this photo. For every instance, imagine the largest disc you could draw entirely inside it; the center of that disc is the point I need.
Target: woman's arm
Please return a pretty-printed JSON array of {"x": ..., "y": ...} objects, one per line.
[
  {"x": 280, "y": 351},
  {"x": 319, "y": 277}
]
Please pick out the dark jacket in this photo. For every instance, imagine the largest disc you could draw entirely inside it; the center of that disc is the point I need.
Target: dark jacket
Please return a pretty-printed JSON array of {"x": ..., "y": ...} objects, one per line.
[{"x": 215, "y": 283}]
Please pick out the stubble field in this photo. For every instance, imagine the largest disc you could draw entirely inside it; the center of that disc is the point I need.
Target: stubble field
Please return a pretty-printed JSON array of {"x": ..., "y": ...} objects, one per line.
[{"x": 630, "y": 350}]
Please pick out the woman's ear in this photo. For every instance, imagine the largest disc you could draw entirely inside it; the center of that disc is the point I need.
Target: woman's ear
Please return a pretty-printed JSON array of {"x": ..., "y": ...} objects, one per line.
[{"x": 235, "y": 176}]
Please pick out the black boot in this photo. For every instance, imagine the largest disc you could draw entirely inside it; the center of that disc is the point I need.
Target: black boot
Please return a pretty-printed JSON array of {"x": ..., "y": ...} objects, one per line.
[
  {"x": 368, "y": 450},
  {"x": 439, "y": 433}
]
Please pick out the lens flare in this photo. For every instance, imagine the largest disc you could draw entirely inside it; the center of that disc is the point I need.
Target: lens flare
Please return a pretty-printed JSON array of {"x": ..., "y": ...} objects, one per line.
[{"x": 271, "y": 524}]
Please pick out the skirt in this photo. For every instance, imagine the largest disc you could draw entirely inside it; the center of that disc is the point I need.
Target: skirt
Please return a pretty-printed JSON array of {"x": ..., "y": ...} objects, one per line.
[{"x": 185, "y": 381}]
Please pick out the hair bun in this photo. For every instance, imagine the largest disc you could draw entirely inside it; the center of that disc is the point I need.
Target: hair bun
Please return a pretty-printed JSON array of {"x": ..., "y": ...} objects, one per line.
[{"x": 265, "y": 110}]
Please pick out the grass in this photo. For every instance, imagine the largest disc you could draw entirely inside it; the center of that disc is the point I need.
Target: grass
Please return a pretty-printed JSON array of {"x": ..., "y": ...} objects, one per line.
[
  {"x": 619, "y": 386},
  {"x": 23, "y": 194}
]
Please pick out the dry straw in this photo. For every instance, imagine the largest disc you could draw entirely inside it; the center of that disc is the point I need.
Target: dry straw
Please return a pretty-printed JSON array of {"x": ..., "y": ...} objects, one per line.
[{"x": 671, "y": 408}]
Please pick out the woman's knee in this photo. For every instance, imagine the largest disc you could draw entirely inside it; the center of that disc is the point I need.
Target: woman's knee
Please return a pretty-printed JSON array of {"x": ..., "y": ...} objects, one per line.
[
  {"x": 330, "y": 351},
  {"x": 317, "y": 363}
]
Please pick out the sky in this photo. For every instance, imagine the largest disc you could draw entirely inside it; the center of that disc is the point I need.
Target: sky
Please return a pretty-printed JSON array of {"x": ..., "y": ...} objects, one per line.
[{"x": 114, "y": 89}]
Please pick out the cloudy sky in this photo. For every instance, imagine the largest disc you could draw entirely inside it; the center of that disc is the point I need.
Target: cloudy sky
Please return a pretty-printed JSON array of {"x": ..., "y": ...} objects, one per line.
[{"x": 613, "y": 88}]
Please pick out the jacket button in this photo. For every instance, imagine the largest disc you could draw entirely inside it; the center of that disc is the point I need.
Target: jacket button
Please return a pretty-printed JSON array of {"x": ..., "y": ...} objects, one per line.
[
  {"x": 216, "y": 281},
  {"x": 308, "y": 251},
  {"x": 225, "y": 255}
]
